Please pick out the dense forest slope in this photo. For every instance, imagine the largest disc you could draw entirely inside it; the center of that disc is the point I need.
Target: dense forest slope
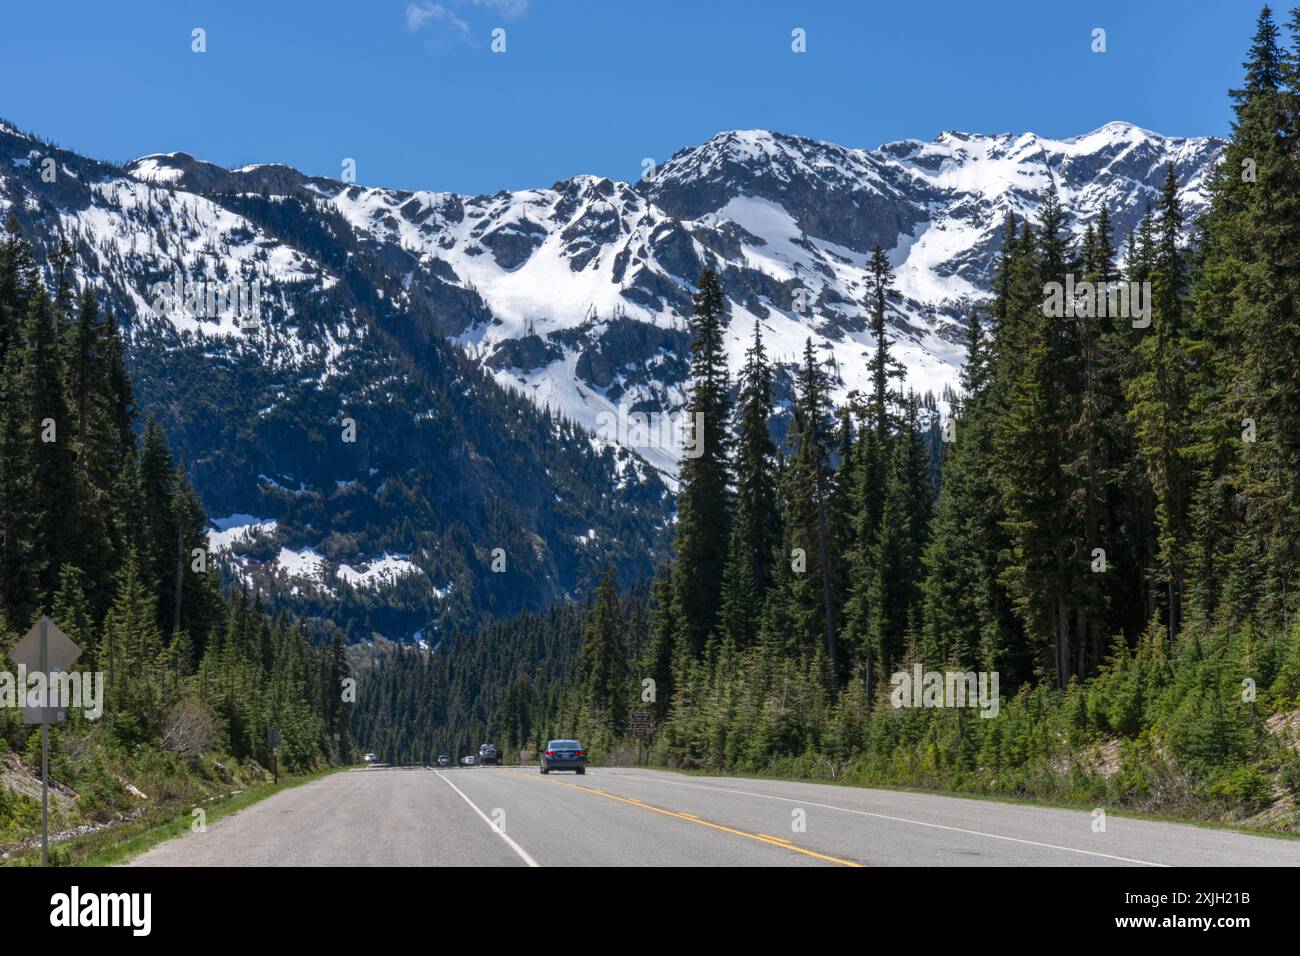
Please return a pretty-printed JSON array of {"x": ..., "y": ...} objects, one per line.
[
  {"x": 361, "y": 470},
  {"x": 103, "y": 532},
  {"x": 1114, "y": 537}
]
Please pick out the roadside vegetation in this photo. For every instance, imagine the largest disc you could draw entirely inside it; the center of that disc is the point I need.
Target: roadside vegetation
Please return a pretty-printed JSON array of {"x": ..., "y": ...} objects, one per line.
[{"x": 101, "y": 531}]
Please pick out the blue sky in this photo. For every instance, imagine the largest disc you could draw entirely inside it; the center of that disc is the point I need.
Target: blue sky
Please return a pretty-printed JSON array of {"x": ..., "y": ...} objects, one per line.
[{"x": 413, "y": 91}]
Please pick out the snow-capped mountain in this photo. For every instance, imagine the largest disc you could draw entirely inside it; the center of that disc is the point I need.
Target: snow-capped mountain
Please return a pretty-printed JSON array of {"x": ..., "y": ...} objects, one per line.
[
  {"x": 358, "y": 467},
  {"x": 574, "y": 295}
]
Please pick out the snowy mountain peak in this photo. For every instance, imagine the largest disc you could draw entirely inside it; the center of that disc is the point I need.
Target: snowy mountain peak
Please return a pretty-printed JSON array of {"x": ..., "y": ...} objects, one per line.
[
  {"x": 574, "y": 296},
  {"x": 164, "y": 167},
  {"x": 577, "y": 294}
]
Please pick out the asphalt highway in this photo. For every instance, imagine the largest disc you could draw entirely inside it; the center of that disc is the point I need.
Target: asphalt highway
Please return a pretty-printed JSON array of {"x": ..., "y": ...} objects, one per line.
[{"x": 514, "y": 816}]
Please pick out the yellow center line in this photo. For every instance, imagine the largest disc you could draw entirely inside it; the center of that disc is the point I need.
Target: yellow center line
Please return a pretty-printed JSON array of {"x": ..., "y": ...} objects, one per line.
[
  {"x": 768, "y": 836},
  {"x": 692, "y": 818}
]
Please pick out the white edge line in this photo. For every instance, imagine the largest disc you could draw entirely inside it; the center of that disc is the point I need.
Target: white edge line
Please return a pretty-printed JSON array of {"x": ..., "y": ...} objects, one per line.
[
  {"x": 519, "y": 851},
  {"x": 919, "y": 823}
]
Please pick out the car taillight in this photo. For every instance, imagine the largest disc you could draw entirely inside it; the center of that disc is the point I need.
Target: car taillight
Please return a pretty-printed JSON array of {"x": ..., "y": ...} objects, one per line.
[
  {"x": 580, "y": 753},
  {"x": 550, "y": 753}
]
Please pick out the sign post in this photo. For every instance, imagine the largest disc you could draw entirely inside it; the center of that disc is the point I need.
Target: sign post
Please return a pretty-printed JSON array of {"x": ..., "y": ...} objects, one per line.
[
  {"x": 45, "y": 744},
  {"x": 642, "y": 728},
  {"x": 45, "y": 650},
  {"x": 273, "y": 742}
]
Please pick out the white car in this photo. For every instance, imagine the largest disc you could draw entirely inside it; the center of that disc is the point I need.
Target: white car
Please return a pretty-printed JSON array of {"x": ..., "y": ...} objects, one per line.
[{"x": 371, "y": 758}]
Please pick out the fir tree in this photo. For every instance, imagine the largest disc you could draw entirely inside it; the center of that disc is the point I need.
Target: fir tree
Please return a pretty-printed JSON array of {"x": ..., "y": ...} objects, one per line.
[
  {"x": 704, "y": 503},
  {"x": 755, "y": 527},
  {"x": 40, "y": 384},
  {"x": 1158, "y": 399},
  {"x": 603, "y": 657},
  {"x": 807, "y": 484}
]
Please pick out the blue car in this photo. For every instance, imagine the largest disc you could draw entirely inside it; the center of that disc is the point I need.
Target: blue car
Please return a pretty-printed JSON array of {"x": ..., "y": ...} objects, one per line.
[{"x": 564, "y": 755}]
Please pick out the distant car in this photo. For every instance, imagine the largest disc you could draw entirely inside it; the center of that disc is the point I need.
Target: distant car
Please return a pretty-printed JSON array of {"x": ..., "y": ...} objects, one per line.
[
  {"x": 467, "y": 761},
  {"x": 564, "y": 755},
  {"x": 487, "y": 754},
  {"x": 371, "y": 758},
  {"x": 443, "y": 760}
]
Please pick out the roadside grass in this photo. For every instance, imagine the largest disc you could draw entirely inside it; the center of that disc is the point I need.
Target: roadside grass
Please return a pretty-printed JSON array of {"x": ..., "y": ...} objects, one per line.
[{"x": 118, "y": 844}]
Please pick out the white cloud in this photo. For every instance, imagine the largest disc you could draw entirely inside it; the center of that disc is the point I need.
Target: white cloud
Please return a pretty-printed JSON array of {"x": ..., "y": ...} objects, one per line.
[
  {"x": 421, "y": 15},
  {"x": 418, "y": 15},
  {"x": 507, "y": 8}
]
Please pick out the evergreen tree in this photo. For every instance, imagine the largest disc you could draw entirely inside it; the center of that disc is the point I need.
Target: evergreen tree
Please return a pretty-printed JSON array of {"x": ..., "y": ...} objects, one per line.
[
  {"x": 1158, "y": 400},
  {"x": 1265, "y": 208},
  {"x": 659, "y": 663},
  {"x": 40, "y": 384},
  {"x": 882, "y": 367},
  {"x": 755, "y": 526},
  {"x": 21, "y": 512},
  {"x": 807, "y": 483},
  {"x": 870, "y": 473},
  {"x": 603, "y": 657},
  {"x": 704, "y": 503}
]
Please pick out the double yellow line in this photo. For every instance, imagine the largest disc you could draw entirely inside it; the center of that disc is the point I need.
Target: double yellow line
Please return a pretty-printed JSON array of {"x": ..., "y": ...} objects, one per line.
[{"x": 692, "y": 818}]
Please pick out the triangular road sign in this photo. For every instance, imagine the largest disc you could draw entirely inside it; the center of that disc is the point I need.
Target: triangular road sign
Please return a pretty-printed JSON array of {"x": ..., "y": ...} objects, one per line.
[{"x": 61, "y": 653}]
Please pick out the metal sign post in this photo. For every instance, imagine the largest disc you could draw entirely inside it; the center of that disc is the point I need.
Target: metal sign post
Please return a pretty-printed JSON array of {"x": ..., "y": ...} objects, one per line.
[
  {"x": 46, "y": 650},
  {"x": 273, "y": 743},
  {"x": 45, "y": 745}
]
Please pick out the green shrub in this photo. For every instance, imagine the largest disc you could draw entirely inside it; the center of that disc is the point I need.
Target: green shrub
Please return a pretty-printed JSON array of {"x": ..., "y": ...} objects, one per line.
[
  {"x": 1132, "y": 781},
  {"x": 8, "y": 807},
  {"x": 1245, "y": 788},
  {"x": 100, "y": 797},
  {"x": 1290, "y": 776}
]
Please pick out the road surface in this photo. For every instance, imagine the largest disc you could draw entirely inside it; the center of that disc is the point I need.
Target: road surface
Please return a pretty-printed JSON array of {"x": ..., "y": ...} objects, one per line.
[{"x": 507, "y": 816}]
